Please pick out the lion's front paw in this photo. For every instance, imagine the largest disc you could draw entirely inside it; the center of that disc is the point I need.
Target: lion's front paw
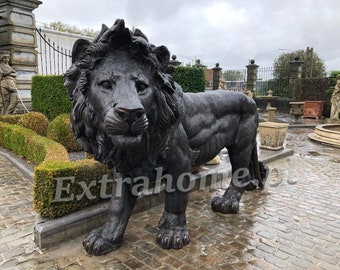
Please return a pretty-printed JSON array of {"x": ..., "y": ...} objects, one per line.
[
  {"x": 173, "y": 238},
  {"x": 96, "y": 244},
  {"x": 225, "y": 205}
]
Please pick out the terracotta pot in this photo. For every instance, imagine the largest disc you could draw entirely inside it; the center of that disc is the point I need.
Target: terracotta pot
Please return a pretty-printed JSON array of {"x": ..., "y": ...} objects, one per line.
[{"x": 313, "y": 109}]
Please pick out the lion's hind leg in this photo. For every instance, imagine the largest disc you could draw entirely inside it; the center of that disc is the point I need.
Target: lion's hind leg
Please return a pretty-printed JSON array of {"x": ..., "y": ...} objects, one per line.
[{"x": 241, "y": 181}]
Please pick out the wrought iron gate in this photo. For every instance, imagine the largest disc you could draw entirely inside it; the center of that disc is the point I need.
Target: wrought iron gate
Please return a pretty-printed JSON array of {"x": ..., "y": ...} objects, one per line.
[{"x": 53, "y": 59}]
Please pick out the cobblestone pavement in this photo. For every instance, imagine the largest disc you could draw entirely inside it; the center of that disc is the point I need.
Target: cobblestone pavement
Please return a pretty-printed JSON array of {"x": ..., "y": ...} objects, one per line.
[{"x": 292, "y": 224}]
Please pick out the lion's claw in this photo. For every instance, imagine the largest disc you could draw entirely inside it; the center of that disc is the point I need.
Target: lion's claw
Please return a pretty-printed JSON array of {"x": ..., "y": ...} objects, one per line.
[
  {"x": 173, "y": 238},
  {"x": 225, "y": 205},
  {"x": 95, "y": 244}
]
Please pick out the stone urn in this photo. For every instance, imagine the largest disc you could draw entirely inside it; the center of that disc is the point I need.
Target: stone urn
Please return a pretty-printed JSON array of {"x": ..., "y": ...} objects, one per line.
[
  {"x": 272, "y": 135},
  {"x": 297, "y": 109}
]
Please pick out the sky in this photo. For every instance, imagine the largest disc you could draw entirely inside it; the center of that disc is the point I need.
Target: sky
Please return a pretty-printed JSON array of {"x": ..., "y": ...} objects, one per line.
[{"x": 228, "y": 32}]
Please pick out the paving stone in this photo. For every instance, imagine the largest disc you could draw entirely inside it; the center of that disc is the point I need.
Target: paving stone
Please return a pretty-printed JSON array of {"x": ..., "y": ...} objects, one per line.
[
  {"x": 265, "y": 248},
  {"x": 303, "y": 263},
  {"x": 281, "y": 255},
  {"x": 11, "y": 253},
  {"x": 331, "y": 259},
  {"x": 262, "y": 264},
  {"x": 276, "y": 261},
  {"x": 9, "y": 264}
]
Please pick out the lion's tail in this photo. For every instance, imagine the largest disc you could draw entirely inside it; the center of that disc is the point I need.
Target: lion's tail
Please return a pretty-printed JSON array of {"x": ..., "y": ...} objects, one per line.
[{"x": 260, "y": 171}]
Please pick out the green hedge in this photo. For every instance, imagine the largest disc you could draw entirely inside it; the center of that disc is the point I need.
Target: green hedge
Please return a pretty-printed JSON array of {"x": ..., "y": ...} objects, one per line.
[
  {"x": 192, "y": 79},
  {"x": 27, "y": 143},
  {"x": 314, "y": 89},
  {"x": 53, "y": 167},
  {"x": 49, "y": 96},
  {"x": 32, "y": 120},
  {"x": 11, "y": 118},
  {"x": 35, "y": 121},
  {"x": 60, "y": 131},
  {"x": 60, "y": 187}
]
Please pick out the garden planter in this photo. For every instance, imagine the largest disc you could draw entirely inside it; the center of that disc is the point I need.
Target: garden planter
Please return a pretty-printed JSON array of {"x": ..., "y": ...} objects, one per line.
[
  {"x": 297, "y": 109},
  {"x": 272, "y": 135},
  {"x": 313, "y": 109}
]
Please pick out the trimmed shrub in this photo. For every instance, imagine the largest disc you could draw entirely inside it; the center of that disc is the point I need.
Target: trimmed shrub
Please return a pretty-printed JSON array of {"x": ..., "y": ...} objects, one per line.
[
  {"x": 59, "y": 186},
  {"x": 27, "y": 143},
  {"x": 60, "y": 131},
  {"x": 49, "y": 96},
  {"x": 192, "y": 79},
  {"x": 35, "y": 121},
  {"x": 11, "y": 118}
]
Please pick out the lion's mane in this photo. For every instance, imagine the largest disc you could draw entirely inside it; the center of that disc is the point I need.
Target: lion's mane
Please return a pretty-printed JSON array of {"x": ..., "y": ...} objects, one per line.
[{"x": 84, "y": 120}]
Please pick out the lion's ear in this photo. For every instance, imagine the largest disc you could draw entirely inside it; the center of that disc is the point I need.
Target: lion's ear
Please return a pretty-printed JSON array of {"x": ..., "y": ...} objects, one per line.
[
  {"x": 163, "y": 55},
  {"x": 104, "y": 29},
  {"x": 79, "y": 49}
]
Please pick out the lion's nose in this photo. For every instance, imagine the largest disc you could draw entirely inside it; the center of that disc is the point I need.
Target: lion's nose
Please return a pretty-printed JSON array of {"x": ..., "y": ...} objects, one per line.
[{"x": 128, "y": 115}]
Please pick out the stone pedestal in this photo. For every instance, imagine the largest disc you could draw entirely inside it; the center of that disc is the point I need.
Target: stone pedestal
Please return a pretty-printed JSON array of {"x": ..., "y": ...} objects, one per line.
[
  {"x": 272, "y": 135},
  {"x": 17, "y": 36},
  {"x": 271, "y": 114}
]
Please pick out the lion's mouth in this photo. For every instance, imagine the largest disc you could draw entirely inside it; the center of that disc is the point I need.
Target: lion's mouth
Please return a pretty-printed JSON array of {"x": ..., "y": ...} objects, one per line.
[
  {"x": 125, "y": 134},
  {"x": 126, "y": 141}
]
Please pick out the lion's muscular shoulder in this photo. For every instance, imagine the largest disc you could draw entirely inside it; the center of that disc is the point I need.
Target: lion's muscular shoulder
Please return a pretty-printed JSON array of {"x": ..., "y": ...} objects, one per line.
[{"x": 206, "y": 113}]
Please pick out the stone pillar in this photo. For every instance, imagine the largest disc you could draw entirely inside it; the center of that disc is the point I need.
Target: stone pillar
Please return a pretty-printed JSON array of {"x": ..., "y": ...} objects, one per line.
[
  {"x": 216, "y": 76},
  {"x": 174, "y": 61},
  {"x": 199, "y": 64},
  {"x": 294, "y": 76},
  {"x": 252, "y": 77},
  {"x": 17, "y": 36}
]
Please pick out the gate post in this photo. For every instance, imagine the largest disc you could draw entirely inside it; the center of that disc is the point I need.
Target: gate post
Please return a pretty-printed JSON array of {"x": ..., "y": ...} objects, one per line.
[
  {"x": 295, "y": 74},
  {"x": 252, "y": 77},
  {"x": 17, "y": 36},
  {"x": 216, "y": 76}
]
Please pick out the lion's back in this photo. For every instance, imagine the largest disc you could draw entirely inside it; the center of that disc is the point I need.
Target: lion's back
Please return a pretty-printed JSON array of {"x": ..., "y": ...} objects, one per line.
[{"x": 218, "y": 102}]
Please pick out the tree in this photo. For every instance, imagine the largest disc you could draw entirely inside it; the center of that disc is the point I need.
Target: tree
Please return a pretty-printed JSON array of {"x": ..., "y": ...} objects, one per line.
[
  {"x": 191, "y": 79},
  {"x": 234, "y": 75},
  {"x": 62, "y": 27},
  {"x": 282, "y": 63},
  {"x": 282, "y": 69}
]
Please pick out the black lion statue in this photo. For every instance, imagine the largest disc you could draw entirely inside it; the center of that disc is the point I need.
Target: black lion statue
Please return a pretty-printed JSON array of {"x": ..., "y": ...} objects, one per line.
[{"x": 131, "y": 115}]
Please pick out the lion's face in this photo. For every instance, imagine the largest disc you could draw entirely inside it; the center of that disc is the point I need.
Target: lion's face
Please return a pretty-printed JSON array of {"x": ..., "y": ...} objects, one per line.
[
  {"x": 120, "y": 94},
  {"x": 124, "y": 101}
]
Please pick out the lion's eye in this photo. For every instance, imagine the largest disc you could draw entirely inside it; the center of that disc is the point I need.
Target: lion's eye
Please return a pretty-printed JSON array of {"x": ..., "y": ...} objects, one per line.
[
  {"x": 106, "y": 84},
  {"x": 141, "y": 86}
]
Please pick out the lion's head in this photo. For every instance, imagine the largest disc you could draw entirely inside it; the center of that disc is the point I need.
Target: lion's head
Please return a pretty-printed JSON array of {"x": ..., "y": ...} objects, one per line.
[{"x": 124, "y": 100}]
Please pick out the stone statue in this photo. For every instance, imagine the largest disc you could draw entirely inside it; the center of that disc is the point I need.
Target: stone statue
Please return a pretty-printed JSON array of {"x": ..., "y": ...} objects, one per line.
[
  {"x": 335, "y": 100},
  {"x": 130, "y": 114},
  {"x": 9, "y": 96}
]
